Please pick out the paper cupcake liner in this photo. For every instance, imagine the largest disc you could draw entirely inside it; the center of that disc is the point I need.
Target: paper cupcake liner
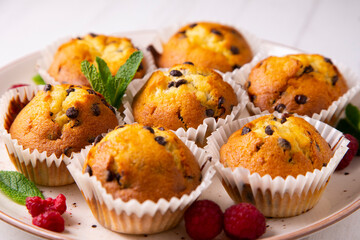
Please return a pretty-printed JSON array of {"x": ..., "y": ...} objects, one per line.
[
  {"x": 164, "y": 34},
  {"x": 133, "y": 217},
  {"x": 135, "y": 86},
  {"x": 37, "y": 166},
  {"x": 276, "y": 197},
  {"x": 43, "y": 64},
  {"x": 330, "y": 115}
]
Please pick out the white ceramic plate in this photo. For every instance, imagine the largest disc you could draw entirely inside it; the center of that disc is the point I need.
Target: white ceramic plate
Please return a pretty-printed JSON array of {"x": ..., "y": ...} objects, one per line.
[{"x": 341, "y": 197}]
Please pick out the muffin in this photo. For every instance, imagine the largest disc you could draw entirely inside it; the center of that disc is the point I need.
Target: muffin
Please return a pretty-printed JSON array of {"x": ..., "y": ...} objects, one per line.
[
  {"x": 66, "y": 65},
  {"x": 304, "y": 84},
  {"x": 59, "y": 120},
  {"x": 207, "y": 44},
  {"x": 279, "y": 147},
  {"x": 281, "y": 164},
  {"x": 183, "y": 97}
]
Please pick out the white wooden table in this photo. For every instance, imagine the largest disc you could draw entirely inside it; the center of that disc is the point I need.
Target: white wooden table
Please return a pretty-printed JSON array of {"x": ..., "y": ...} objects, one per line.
[{"x": 327, "y": 27}]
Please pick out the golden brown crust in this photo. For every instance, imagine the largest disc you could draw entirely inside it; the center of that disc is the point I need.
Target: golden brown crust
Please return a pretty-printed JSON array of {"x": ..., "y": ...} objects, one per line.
[
  {"x": 207, "y": 44},
  {"x": 278, "y": 147},
  {"x": 164, "y": 102},
  {"x": 43, "y": 123},
  {"x": 65, "y": 67},
  {"x": 143, "y": 163},
  {"x": 303, "y": 84}
]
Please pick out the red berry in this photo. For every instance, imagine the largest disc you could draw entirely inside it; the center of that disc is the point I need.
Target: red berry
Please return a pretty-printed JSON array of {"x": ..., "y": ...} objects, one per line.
[
  {"x": 353, "y": 148},
  {"x": 203, "y": 220},
  {"x": 35, "y": 205},
  {"x": 51, "y": 220},
  {"x": 18, "y": 85},
  {"x": 59, "y": 204},
  {"x": 244, "y": 221}
]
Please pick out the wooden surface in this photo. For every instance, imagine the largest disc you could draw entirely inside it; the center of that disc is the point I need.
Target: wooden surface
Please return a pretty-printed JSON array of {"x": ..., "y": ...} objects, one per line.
[{"x": 330, "y": 28}]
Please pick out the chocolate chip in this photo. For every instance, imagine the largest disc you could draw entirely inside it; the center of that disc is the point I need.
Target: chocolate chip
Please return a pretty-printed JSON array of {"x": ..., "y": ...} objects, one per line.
[
  {"x": 72, "y": 112},
  {"x": 98, "y": 139},
  {"x": 110, "y": 176},
  {"x": 346, "y": 173},
  {"x": 234, "y": 50},
  {"x": 69, "y": 90},
  {"x": 160, "y": 140},
  {"x": 283, "y": 120},
  {"x": 285, "y": 144},
  {"x": 90, "y": 91},
  {"x": 193, "y": 25},
  {"x": 217, "y": 32},
  {"x": 245, "y": 130},
  {"x": 268, "y": 130},
  {"x": 112, "y": 109},
  {"x": 317, "y": 146},
  {"x": 149, "y": 128},
  {"x": 91, "y": 140},
  {"x": 221, "y": 101},
  {"x": 95, "y": 109},
  {"x": 75, "y": 123},
  {"x": 93, "y": 34},
  {"x": 161, "y": 128},
  {"x": 280, "y": 107},
  {"x": 328, "y": 60},
  {"x": 79, "y": 38},
  {"x": 209, "y": 112},
  {"x": 180, "y": 82},
  {"x": 334, "y": 79},
  {"x": 290, "y": 160},
  {"x": 324, "y": 164},
  {"x": 67, "y": 151},
  {"x": 308, "y": 69},
  {"x": 171, "y": 84},
  {"x": 175, "y": 73},
  {"x": 274, "y": 118},
  {"x": 47, "y": 87},
  {"x": 182, "y": 32},
  {"x": 300, "y": 99},
  {"x": 180, "y": 117},
  {"x": 236, "y": 66},
  {"x": 51, "y": 114},
  {"x": 258, "y": 146},
  {"x": 89, "y": 170},
  {"x": 118, "y": 178},
  {"x": 190, "y": 63}
]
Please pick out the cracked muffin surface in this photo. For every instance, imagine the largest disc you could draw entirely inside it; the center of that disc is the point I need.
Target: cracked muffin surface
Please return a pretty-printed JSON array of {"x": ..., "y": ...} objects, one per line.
[
  {"x": 276, "y": 146},
  {"x": 62, "y": 119},
  {"x": 304, "y": 84},
  {"x": 183, "y": 96},
  {"x": 207, "y": 44},
  {"x": 143, "y": 163},
  {"x": 66, "y": 65}
]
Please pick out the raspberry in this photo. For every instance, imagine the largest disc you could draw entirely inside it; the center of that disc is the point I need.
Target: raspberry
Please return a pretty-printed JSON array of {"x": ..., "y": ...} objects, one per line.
[
  {"x": 244, "y": 221},
  {"x": 203, "y": 220},
  {"x": 51, "y": 220},
  {"x": 59, "y": 204},
  {"x": 18, "y": 85},
  {"x": 353, "y": 148},
  {"x": 35, "y": 205}
]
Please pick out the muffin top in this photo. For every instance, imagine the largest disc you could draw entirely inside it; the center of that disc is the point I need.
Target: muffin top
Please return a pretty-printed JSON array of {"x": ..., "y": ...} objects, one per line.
[
  {"x": 66, "y": 65},
  {"x": 304, "y": 84},
  {"x": 207, "y": 44},
  {"x": 183, "y": 96},
  {"x": 143, "y": 163},
  {"x": 62, "y": 119},
  {"x": 279, "y": 147}
]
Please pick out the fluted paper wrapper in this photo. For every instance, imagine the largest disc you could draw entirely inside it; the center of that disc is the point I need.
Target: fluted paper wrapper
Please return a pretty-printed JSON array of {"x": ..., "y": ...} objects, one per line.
[
  {"x": 135, "y": 86},
  {"x": 47, "y": 56},
  {"x": 133, "y": 217},
  {"x": 330, "y": 115},
  {"x": 36, "y": 166},
  {"x": 276, "y": 197}
]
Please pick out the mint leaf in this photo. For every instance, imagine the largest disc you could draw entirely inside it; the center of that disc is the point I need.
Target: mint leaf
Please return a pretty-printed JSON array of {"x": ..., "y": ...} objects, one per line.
[
  {"x": 38, "y": 80},
  {"x": 125, "y": 74},
  {"x": 353, "y": 115},
  {"x": 17, "y": 187},
  {"x": 106, "y": 77}
]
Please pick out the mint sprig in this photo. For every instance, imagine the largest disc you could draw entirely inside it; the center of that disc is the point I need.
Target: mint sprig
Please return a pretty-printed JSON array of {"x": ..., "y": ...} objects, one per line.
[
  {"x": 38, "y": 80},
  {"x": 17, "y": 187},
  {"x": 112, "y": 87}
]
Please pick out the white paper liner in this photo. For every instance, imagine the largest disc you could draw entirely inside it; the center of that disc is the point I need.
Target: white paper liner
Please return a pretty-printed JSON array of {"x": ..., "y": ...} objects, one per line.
[
  {"x": 164, "y": 34},
  {"x": 134, "y": 217},
  {"x": 276, "y": 197},
  {"x": 43, "y": 64},
  {"x": 37, "y": 166},
  {"x": 330, "y": 115}
]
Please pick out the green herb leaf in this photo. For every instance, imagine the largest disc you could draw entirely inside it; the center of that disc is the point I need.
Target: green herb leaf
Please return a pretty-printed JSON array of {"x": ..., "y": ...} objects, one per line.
[
  {"x": 38, "y": 80},
  {"x": 353, "y": 115},
  {"x": 17, "y": 187},
  {"x": 106, "y": 78}
]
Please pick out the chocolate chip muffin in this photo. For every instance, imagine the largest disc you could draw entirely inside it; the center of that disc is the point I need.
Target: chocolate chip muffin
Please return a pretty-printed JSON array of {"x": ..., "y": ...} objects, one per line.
[
  {"x": 279, "y": 147},
  {"x": 143, "y": 163},
  {"x": 183, "y": 96},
  {"x": 207, "y": 44},
  {"x": 304, "y": 84},
  {"x": 66, "y": 68},
  {"x": 62, "y": 119}
]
